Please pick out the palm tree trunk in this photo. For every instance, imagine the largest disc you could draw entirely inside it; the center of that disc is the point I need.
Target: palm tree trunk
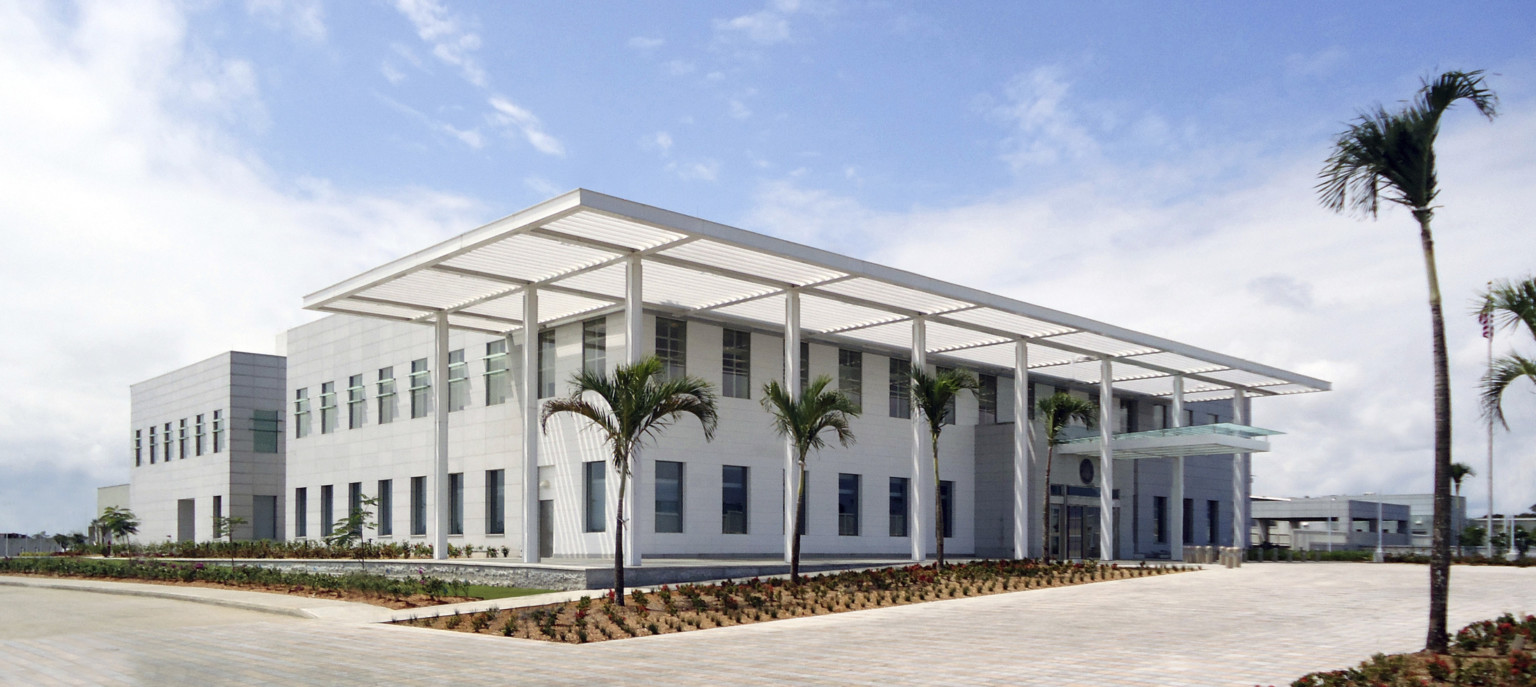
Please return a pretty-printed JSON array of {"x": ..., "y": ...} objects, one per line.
[
  {"x": 1440, "y": 555},
  {"x": 1045, "y": 518},
  {"x": 938, "y": 504},
  {"x": 794, "y": 549},
  {"x": 618, "y": 537}
]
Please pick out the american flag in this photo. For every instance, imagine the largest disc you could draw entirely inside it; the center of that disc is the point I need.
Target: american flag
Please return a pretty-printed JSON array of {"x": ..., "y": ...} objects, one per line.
[{"x": 1485, "y": 316}]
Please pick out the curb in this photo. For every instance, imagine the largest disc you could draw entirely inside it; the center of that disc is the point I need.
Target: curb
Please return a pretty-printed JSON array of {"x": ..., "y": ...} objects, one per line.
[{"x": 154, "y": 593}]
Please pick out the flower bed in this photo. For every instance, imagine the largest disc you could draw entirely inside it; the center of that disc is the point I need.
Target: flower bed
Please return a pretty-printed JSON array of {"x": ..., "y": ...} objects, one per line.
[
  {"x": 1495, "y": 653},
  {"x": 306, "y": 549},
  {"x": 696, "y": 607},
  {"x": 359, "y": 586}
]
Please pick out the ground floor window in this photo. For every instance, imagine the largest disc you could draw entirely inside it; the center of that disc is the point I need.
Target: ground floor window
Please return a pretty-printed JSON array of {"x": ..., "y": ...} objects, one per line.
[
  {"x": 495, "y": 502},
  {"x": 327, "y": 510},
  {"x": 898, "y": 506},
  {"x": 355, "y": 504},
  {"x": 733, "y": 499},
  {"x": 1188, "y": 531},
  {"x": 847, "y": 505},
  {"x": 1160, "y": 519},
  {"x": 1212, "y": 522},
  {"x": 669, "y": 496},
  {"x": 594, "y": 478},
  {"x": 418, "y": 506},
  {"x": 386, "y": 514},
  {"x": 301, "y": 512},
  {"x": 947, "y": 507},
  {"x": 456, "y": 503},
  {"x": 218, "y": 514}
]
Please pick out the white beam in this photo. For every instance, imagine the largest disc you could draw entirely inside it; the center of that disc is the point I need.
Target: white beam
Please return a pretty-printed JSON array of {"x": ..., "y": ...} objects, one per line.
[
  {"x": 1106, "y": 461},
  {"x": 634, "y": 318},
  {"x": 1177, "y": 496},
  {"x": 440, "y": 452},
  {"x": 916, "y": 530},
  {"x": 1023, "y": 453},
  {"x": 792, "y": 386},
  {"x": 530, "y": 411}
]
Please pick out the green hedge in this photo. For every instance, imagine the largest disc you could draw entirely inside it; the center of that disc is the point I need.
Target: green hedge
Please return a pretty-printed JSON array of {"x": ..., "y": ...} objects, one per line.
[{"x": 244, "y": 575}]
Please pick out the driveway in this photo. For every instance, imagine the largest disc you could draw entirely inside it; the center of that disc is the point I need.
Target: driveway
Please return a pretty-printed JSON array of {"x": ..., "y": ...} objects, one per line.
[{"x": 1261, "y": 624}]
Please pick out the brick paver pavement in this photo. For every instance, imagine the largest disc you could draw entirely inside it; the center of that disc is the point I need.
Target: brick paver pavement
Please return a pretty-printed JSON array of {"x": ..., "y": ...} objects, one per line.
[{"x": 1261, "y": 624}]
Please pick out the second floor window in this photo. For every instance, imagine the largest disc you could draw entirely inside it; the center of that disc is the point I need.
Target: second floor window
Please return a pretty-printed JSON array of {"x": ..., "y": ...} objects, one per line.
[
  {"x": 301, "y": 417},
  {"x": 421, "y": 384},
  {"x": 356, "y": 405},
  {"x": 986, "y": 400},
  {"x": 736, "y": 364},
  {"x": 496, "y": 372},
  {"x": 672, "y": 346},
  {"x": 458, "y": 381},
  {"x": 594, "y": 345},
  {"x": 901, "y": 389},
  {"x": 850, "y": 375},
  {"x": 386, "y": 395},
  {"x": 547, "y": 363},
  {"x": 328, "y": 413}
]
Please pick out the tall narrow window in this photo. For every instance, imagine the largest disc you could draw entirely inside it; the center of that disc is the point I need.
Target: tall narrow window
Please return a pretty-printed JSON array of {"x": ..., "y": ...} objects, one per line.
[
  {"x": 1159, "y": 416},
  {"x": 595, "y": 494},
  {"x": 850, "y": 375},
  {"x": 547, "y": 359},
  {"x": 669, "y": 496},
  {"x": 495, "y": 502},
  {"x": 949, "y": 408},
  {"x": 1189, "y": 522},
  {"x": 986, "y": 400},
  {"x": 355, "y": 504},
  {"x": 386, "y": 515},
  {"x": 947, "y": 506},
  {"x": 848, "y": 505},
  {"x": 736, "y": 364},
  {"x": 218, "y": 514},
  {"x": 218, "y": 431},
  {"x": 357, "y": 404},
  {"x": 199, "y": 434},
  {"x": 421, "y": 384},
  {"x": 1125, "y": 415},
  {"x": 266, "y": 427},
  {"x": 496, "y": 380},
  {"x": 733, "y": 499},
  {"x": 1212, "y": 522},
  {"x": 1031, "y": 394},
  {"x": 166, "y": 443},
  {"x": 328, "y": 412},
  {"x": 386, "y": 395},
  {"x": 456, "y": 503},
  {"x": 301, "y": 417},
  {"x": 672, "y": 346},
  {"x": 1189, "y": 417},
  {"x": 418, "y": 506},
  {"x": 138, "y": 447},
  {"x": 181, "y": 439},
  {"x": 1212, "y": 418},
  {"x": 594, "y": 345},
  {"x": 805, "y": 365},
  {"x": 458, "y": 381},
  {"x": 898, "y": 506},
  {"x": 900, "y": 388},
  {"x": 154, "y": 445},
  {"x": 327, "y": 509},
  {"x": 1160, "y": 519},
  {"x": 301, "y": 512}
]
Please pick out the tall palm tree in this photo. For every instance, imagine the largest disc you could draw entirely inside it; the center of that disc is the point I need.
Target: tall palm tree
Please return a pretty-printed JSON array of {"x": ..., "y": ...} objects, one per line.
[
  {"x": 1059, "y": 410},
  {"x": 804, "y": 420},
  {"x": 931, "y": 395},
  {"x": 634, "y": 403},
  {"x": 1508, "y": 304},
  {"x": 117, "y": 522},
  {"x": 1391, "y": 156}
]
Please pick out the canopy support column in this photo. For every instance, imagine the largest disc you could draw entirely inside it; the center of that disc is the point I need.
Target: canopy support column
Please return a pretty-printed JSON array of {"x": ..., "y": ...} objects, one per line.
[
  {"x": 530, "y": 418},
  {"x": 917, "y": 530},
  {"x": 792, "y": 387},
  {"x": 1239, "y": 477},
  {"x": 1106, "y": 461},
  {"x": 634, "y": 319},
  {"x": 1023, "y": 453},
  {"x": 440, "y": 450},
  {"x": 1176, "y": 551}
]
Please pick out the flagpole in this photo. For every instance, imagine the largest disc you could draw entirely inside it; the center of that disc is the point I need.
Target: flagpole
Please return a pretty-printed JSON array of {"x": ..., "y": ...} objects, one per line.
[{"x": 1487, "y": 320}]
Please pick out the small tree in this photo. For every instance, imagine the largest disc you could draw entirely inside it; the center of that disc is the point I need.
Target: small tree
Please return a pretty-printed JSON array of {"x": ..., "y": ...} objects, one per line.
[
  {"x": 117, "y": 522},
  {"x": 225, "y": 527},
  {"x": 1059, "y": 410},
  {"x": 348, "y": 531},
  {"x": 803, "y": 420},
  {"x": 931, "y": 395},
  {"x": 1473, "y": 536}
]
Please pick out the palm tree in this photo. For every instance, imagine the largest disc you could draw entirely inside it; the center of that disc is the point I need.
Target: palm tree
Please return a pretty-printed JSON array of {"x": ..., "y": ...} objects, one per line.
[
  {"x": 1459, "y": 472},
  {"x": 803, "y": 420},
  {"x": 1508, "y": 304},
  {"x": 932, "y": 394},
  {"x": 632, "y": 404},
  {"x": 1393, "y": 153},
  {"x": 1059, "y": 410},
  {"x": 117, "y": 522}
]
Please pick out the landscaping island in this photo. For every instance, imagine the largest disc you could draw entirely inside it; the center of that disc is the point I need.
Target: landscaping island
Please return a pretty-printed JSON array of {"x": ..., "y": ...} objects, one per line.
[{"x": 1493, "y": 653}]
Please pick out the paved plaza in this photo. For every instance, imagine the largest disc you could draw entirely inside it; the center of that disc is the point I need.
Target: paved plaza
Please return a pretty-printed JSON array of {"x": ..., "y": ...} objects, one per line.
[{"x": 1260, "y": 624}]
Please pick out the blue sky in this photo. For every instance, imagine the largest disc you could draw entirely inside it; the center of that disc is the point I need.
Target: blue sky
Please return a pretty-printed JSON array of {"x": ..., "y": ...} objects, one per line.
[{"x": 179, "y": 175}]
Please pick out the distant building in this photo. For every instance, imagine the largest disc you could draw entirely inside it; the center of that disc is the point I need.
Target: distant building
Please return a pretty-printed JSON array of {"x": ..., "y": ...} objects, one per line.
[{"x": 1349, "y": 521}]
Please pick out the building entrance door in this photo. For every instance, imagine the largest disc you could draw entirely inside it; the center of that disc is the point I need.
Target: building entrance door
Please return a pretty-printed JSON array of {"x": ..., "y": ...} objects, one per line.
[
  {"x": 1080, "y": 538},
  {"x": 546, "y": 528},
  {"x": 186, "y": 520}
]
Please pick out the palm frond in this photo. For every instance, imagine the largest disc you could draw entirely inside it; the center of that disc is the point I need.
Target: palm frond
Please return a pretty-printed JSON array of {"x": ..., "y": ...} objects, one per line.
[
  {"x": 931, "y": 394},
  {"x": 806, "y": 420},
  {"x": 1061, "y": 409},
  {"x": 1510, "y": 304},
  {"x": 1506, "y": 370}
]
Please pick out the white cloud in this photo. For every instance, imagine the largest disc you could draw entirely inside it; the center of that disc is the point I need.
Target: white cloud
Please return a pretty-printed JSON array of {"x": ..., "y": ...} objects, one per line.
[
  {"x": 451, "y": 42},
  {"x": 1254, "y": 268},
  {"x": 543, "y": 187},
  {"x": 698, "y": 170},
  {"x": 513, "y": 118},
  {"x": 644, "y": 43},
  {"x": 470, "y": 137},
  {"x": 679, "y": 67},
  {"x": 660, "y": 141},
  {"x": 739, "y": 110},
  {"x": 305, "y": 18},
  {"x": 1046, "y": 130},
  {"x": 391, "y": 74},
  {"x": 768, "y": 26},
  {"x": 145, "y": 237}
]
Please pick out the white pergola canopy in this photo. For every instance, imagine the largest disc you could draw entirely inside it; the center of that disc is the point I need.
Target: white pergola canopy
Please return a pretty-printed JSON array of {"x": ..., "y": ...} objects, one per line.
[
  {"x": 1197, "y": 440},
  {"x": 574, "y": 249}
]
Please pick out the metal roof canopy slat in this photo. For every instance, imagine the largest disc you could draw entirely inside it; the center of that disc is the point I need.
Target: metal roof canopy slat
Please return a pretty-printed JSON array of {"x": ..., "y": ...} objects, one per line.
[{"x": 524, "y": 282}]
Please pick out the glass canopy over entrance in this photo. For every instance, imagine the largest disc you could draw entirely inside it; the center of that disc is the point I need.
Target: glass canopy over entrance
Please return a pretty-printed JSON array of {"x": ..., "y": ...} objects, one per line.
[{"x": 1198, "y": 440}]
